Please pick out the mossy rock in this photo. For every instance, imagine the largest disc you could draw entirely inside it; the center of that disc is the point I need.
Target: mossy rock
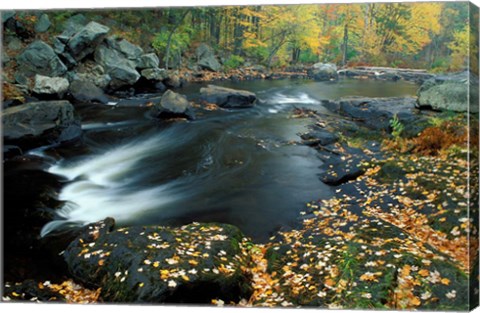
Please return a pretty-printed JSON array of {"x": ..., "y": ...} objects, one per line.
[{"x": 191, "y": 264}]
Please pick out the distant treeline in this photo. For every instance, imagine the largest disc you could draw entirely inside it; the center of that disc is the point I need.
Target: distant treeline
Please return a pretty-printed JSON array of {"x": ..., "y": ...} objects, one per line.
[{"x": 434, "y": 35}]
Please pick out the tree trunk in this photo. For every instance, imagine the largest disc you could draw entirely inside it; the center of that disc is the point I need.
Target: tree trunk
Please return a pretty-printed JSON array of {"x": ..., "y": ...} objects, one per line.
[
  {"x": 345, "y": 45},
  {"x": 169, "y": 40}
]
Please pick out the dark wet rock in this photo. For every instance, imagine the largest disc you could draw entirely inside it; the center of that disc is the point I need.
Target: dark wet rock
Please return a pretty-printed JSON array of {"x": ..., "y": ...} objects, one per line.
[
  {"x": 319, "y": 136},
  {"x": 149, "y": 60},
  {"x": 43, "y": 24},
  {"x": 160, "y": 87},
  {"x": 206, "y": 58},
  {"x": 30, "y": 290},
  {"x": 15, "y": 26},
  {"x": 121, "y": 70},
  {"x": 376, "y": 113},
  {"x": 154, "y": 74},
  {"x": 38, "y": 123},
  {"x": 172, "y": 104},
  {"x": 323, "y": 71},
  {"x": 56, "y": 86},
  {"x": 86, "y": 91},
  {"x": 39, "y": 58},
  {"x": 447, "y": 93},
  {"x": 10, "y": 151},
  {"x": 191, "y": 264},
  {"x": 227, "y": 97},
  {"x": 85, "y": 41},
  {"x": 342, "y": 170},
  {"x": 68, "y": 60}
]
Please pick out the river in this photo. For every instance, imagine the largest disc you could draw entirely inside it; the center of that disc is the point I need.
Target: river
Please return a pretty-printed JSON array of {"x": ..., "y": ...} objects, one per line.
[{"x": 234, "y": 166}]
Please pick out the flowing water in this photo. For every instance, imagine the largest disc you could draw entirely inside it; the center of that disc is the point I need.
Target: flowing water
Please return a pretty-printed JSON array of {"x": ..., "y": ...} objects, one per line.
[{"x": 233, "y": 166}]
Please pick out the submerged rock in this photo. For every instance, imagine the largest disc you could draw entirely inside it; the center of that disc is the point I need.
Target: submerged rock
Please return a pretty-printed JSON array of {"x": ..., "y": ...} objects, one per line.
[
  {"x": 194, "y": 263},
  {"x": 228, "y": 98}
]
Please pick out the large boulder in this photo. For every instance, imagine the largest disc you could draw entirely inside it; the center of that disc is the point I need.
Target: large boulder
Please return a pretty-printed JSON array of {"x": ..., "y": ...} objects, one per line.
[
  {"x": 39, "y": 58},
  {"x": 172, "y": 104},
  {"x": 45, "y": 85},
  {"x": 127, "y": 49},
  {"x": 323, "y": 71},
  {"x": 448, "y": 93},
  {"x": 227, "y": 97},
  {"x": 121, "y": 70},
  {"x": 206, "y": 58},
  {"x": 85, "y": 41},
  {"x": 87, "y": 91},
  {"x": 37, "y": 123},
  {"x": 149, "y": 60},
  {"x": 194, "y": 263}
]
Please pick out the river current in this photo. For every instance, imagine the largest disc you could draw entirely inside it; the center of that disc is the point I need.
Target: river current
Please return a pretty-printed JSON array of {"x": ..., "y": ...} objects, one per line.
[{"x": 240, "y": 167}]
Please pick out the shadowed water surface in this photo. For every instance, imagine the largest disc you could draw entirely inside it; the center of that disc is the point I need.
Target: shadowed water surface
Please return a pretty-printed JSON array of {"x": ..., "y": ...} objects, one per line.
[{"x": 233, "y": 166}]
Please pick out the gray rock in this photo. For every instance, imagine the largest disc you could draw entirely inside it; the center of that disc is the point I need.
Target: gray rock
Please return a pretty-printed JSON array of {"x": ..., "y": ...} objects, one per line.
[
  {"x": 448, "y": 93},
  {"x": 173, "y": 81},
  {"x": 206, "y": 58},
  {"x": 21, "y": 79},
  {"x": 228, "y": 98},
  {"x": 86, "y": 91},
  {"x": 122, "y": 71},
  {"x": 445, "y": 97},
  {"x": 58, "y": 45},
  {"x": 45, "y": 85},
  {"x": 174, "y": 102},
  {"x": 195, "y": 263},
  {"x": 39, "y": 58},
  {"x": 35, "y": 118},
  {"x": 6, "y": 15},
  {"x": 154, "y": 74},
  {"x": 90, "y": 71},
  {"x": 149, "y": 60},
  {"x": 5, "y": 58},
  {"x": 171, "y": 104},
  {"x": 323, "y": 71},
  {"x": 15, "y": 44},
  {"x": 86, "y": 40},
  {"x": 68, "y": 60},
  {"x": 127, "y": 49},
  {"x": 210, "y": 63},
  {"x": 43, "y": 24}
]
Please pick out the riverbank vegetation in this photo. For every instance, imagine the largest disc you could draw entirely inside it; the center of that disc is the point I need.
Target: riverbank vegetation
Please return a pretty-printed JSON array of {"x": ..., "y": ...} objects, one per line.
[{"x": 416, "y": 35}]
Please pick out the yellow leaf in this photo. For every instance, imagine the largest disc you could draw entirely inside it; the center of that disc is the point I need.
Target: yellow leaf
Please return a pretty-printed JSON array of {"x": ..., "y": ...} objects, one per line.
[
  {"x": 445, "y": 281},
  {"x": 423, "y": 272},
  {"x": 156, "y": 264},
  {"x": 415, "y": 301}
]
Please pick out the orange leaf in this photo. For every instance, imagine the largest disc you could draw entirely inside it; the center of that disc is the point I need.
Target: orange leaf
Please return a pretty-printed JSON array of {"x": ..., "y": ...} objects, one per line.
[{"x": 445, "y": 281}]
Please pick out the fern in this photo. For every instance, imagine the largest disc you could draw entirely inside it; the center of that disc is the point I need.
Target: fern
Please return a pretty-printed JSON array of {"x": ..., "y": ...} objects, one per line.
[{"x": 397, "y": 127}]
